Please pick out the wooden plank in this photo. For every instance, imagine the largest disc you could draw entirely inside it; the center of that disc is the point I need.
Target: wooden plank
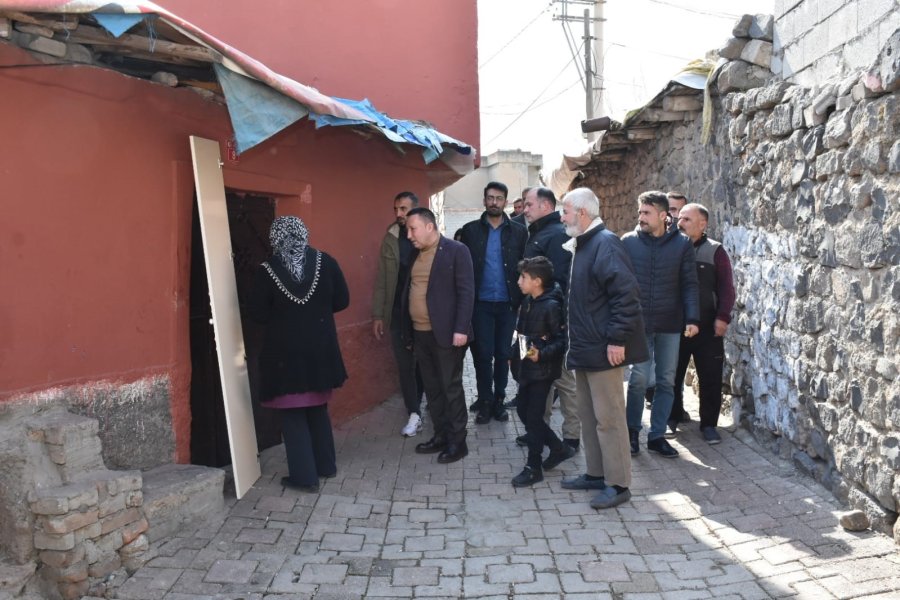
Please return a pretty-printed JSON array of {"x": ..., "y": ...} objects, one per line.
[
  {"x": 682, "y": 103},
  {"x": 5, "y": 27},
  {"x": 653, "y": 115},
  {"x": 158, "y": 47},
  {"x": 155, "y": 59},
  {"x": 641, "y": 135},
  {"x": 226, "y": 316},
  {"x": 63, "y": 23}
]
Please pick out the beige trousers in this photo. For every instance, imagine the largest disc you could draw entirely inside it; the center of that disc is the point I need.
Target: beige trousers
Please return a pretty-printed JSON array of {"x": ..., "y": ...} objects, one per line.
[
  {"x": 568, "y": 405},
  {"x": 601, "y": 406}
]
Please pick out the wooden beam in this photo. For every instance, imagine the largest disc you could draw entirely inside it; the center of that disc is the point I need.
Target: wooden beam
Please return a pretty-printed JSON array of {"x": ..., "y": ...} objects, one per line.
[
  {"x": 113, "y": 49},
  {"x": 5, "y": 27},
  {"x": 641, "y": 135},
  {"x": 159, "y": 48},
  {"x": 653, "y": 115},
  {"x": 67, "y": 22},
  {"x": 682, "y": 103}
]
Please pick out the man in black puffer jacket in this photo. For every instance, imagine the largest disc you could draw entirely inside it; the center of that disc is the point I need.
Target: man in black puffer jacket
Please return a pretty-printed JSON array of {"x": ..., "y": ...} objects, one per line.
[
  {"x": 666, "y": 270},
  {"x": 606, "y": 332}
]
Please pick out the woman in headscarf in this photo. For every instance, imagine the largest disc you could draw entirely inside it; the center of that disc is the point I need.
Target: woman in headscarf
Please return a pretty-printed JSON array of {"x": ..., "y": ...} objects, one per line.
[{"x": 296, "y": 294}]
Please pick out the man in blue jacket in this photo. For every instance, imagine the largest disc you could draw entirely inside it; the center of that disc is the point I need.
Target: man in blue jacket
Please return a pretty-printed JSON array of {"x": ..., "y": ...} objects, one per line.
[
  {"x": 665, "y": 266},
  {"x": 437, "y": 313},
  {"x": 496, "y": 244},
  {"x": 606, "y": 332}
]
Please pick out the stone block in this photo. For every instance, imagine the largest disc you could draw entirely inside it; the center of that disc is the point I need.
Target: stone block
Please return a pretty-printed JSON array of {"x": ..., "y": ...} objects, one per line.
[
  {"x": 134, "y": 499},
  {"x": 781, "y": 125},
  {"x": 52, "y": 541},
  {"x": 39, "y": 43},
  {"x": 104, "y": 545},
  {"x": 71, "y": 574},
  {"x": 880, "y": 518},
  {"x": 829, "y": 164},
  {"x": 112, "y": 504},
  {"x": 50, "y": 506},
  {"x": 135, "y": 554},
  {"x": 872, "y": 157},
  {"x": 69, "y": 522},
  {"x": 761, "y": 27},
  {"x": 131, "y": 531},
  {"x": 811, "y": 118},
  {"x": 742, "y": 27},
  {"x": 825, "y": 100},
  {"x": 62, "y": 558},
  {"x": 838, "y": 130},
  {"x": 104, "y": 567},
  {"x": 732, "y": 48},
  {"x": 88, "y": 532},
  {"x": 758, "y": 52},
  {"x": 843, "y": 102},
  {"x": 740, "y": 75},
  {"x": 78, "y": 496},
  {"x": 119, "y": 520},
  {"x": 73, "y": 590},
  {"x": 893, "y": 162}
]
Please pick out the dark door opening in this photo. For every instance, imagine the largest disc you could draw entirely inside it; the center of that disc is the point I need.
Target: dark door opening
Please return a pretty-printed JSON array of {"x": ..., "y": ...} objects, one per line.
[{"x": 249, "y": 220}]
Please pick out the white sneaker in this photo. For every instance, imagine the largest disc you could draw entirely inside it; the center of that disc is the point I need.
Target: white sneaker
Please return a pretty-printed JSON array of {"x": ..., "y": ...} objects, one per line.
[{"x": 412, "y": 427}]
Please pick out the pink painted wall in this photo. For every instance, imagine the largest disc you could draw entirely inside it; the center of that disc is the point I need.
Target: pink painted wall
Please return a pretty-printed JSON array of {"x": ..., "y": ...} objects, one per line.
[
  {"x": 95, "y": 239},
  {"x": 414, "y": 59}
]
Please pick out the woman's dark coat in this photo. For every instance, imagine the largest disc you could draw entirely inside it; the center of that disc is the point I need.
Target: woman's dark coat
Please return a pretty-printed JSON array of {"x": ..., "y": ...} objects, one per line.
[{"x": 300, "y": 351}]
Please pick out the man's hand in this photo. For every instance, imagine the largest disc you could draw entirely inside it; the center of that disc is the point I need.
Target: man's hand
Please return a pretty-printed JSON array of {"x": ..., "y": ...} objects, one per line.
[
  {"x": 691, "y": 331},
  {"x": 460, "y": 339},
  {"x": 615, "y": 355},
  {"x": 533, "y": 354},
  {"x": 378, "y": 328},
  {"x": 721, "y": 327}
]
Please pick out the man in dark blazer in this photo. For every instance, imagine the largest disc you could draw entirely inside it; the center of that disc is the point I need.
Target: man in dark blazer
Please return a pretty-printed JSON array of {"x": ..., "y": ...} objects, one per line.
[{"x": 437, "y": 312}]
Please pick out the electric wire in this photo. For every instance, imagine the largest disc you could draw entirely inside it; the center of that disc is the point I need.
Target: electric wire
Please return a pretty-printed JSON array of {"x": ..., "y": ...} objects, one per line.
[
  {"x": 720, "y": 15},
  {"x": 533, "y": 102},
  {"x": 516, "y": 36},
  {"x": 550, "y": 99}
]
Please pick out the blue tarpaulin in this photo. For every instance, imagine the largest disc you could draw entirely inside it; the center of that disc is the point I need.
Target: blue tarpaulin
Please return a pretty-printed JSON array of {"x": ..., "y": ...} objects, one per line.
[
  {"x": 118, "y": 23},
  {"x": 257, "y": 111}
]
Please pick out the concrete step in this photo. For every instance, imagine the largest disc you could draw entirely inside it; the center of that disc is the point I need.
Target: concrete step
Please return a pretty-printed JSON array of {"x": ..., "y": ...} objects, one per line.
[{"x": 178, "y": 495}]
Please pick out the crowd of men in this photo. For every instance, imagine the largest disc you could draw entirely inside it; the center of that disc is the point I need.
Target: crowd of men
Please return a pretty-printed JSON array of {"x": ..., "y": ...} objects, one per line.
[{"x": 652, "y": 300}]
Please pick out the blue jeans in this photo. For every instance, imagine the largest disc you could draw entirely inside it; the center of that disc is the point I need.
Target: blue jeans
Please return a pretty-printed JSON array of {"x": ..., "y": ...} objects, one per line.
[
  {"x": 493, "y": 324},
  {"x": 664, "y": 352}
]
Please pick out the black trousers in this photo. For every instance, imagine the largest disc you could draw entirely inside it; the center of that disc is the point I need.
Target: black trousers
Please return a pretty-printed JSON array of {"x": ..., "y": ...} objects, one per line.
[
  {"x": 410, "y": 379},
  {"x": 308, "y": 443},
  {"x": 708, "y": 352},
  {"x": 531, "y": 407},
  {"x": 441, "y": 370}
]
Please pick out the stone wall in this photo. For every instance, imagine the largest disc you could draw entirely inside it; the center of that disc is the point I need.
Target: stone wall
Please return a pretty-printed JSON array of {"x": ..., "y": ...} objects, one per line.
[
  {"x": 803, "y": 186},
  {"x": 816, "y": 39}
]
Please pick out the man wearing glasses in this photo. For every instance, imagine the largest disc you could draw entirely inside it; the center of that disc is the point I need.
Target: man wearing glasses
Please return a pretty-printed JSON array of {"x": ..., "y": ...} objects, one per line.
[{"x": 496, "y": 244}]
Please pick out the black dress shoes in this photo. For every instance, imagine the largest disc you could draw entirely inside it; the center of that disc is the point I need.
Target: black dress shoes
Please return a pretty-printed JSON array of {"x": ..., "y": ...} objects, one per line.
[
  {"x": 431, "y": 446},
  {"x": 453, "y": 453},
  {"x": 289, "y": 483}
]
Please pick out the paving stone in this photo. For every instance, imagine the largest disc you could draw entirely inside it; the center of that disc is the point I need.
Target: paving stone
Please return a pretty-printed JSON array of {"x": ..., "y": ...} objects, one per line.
[{"x": 394, "y": 524}]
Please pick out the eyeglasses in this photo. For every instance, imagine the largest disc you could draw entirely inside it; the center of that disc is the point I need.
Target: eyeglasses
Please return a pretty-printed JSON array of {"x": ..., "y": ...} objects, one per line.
[{"x": 495, "y": 198}]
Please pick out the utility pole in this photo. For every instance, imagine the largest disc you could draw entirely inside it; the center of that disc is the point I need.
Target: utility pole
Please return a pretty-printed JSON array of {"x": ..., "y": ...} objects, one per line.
[
  {"x": 588, "y": 72},
  {"x": 592, "y": 93}
]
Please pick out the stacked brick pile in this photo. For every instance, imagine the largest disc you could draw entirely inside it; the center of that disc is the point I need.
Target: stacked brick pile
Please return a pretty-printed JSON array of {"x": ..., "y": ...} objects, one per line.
[{"x": 92, "y": 524}]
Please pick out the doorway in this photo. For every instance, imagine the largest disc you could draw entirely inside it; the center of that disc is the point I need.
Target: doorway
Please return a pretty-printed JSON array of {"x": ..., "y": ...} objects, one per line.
[{"x": 249, "y": 220}]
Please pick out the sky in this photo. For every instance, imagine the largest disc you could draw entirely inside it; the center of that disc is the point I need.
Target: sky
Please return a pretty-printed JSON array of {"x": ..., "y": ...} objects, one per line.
[{"x": 532, "y": 97}]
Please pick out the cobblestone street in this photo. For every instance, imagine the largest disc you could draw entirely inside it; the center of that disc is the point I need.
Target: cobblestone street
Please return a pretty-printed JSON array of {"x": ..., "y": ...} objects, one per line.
[{"x": 725, "y": 521}]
